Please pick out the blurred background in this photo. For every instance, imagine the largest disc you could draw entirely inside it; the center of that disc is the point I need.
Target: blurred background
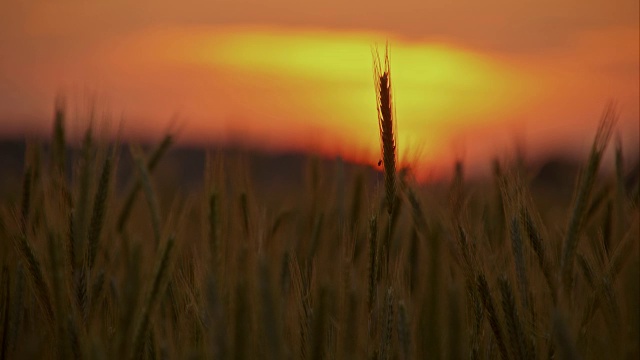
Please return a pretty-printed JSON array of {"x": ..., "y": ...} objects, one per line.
[{"x": 471, "y": 81}]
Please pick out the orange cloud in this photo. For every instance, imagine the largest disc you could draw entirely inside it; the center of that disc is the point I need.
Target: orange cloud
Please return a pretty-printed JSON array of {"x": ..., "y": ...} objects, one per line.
[
  {"x": 291, "y": 87},
  {"x": 283, "y": 83}
]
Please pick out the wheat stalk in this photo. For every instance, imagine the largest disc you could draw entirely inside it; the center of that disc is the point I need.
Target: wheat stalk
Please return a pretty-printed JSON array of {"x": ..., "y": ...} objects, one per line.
[
  {"x": 99, "y": 210},
  {"x": 319, "y": 325},
  {"x": 155, "y": 292},
  {"x": 17, "y": 307},
  {"x": 487, "y": 300},
  {"x": 514, "y": 326},
  {"x": 270, "y": 312},
  {"x": 80, "y": 212},
  {"x": 373, "y": 263},
  {"x": 518, "y": 255},
  {"x": 214, "y": 231},
  {"x": 150, "y": 195},
  {"x": 303, "y": 301},
  {"x": 454, "y": 323},
  {"x": 59, "y": 294},
  {"x": 387, "y": 330},
  {"x": 537, "y": 244},
  {"x": 37, "y": 276},
  {"x": 242, "y": 319},
  {"x": 404, "y": 331},
  {"x": 386, "y": 125},
  {"x": 583, "y": 194},
  {"x": 6, "y": 292},
  {"x": 563, "y": 338},
  {"x": 59, "y": 153},
  {"x": 26, "y": 200},
  {"x": 153, "y": 161}
]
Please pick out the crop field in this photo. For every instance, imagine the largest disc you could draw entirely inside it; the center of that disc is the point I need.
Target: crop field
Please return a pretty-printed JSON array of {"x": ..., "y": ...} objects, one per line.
[{"x": 341, "y": 265}]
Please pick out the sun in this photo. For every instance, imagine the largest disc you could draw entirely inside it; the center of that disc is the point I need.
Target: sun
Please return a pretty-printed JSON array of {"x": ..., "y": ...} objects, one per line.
[{"x": 319, "y": 84}]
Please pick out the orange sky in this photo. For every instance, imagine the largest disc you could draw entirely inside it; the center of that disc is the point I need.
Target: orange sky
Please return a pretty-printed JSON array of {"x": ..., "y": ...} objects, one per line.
[{"x": 470, "y": 78}]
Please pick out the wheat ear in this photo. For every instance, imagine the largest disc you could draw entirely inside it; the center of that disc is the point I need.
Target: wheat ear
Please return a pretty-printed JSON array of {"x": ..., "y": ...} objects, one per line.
[
  {"x": 386, "y": 125},
  {"x": 494, "y": 322},
  {"x": 583, "y": 195},
  {"x": 513, "y": 325},
  {"x": 99, "y": 210}
]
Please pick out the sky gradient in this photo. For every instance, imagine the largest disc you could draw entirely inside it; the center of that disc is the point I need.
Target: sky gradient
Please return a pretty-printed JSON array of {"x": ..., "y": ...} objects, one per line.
[{"x": 470, "y": 79}]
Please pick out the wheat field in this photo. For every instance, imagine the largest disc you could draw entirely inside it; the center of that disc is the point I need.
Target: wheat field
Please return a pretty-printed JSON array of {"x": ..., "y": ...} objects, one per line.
[{"x": 336, "y": 268}]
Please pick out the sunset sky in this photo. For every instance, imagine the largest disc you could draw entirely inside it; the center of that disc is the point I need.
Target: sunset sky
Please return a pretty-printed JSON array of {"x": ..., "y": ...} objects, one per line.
[{"x": 471, "y": 79}]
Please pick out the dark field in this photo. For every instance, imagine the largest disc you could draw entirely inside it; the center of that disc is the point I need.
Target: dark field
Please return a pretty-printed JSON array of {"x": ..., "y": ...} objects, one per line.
[{"x": 154, "y": 252}]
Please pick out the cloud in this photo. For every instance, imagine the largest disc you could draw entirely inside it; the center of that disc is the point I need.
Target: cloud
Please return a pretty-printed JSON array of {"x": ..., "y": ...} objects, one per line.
[{"x": 498, "y": 25}]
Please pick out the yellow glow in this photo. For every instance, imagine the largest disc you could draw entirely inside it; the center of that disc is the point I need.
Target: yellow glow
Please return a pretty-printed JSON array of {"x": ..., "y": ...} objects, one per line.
[{"x": 319, "y": 85}]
